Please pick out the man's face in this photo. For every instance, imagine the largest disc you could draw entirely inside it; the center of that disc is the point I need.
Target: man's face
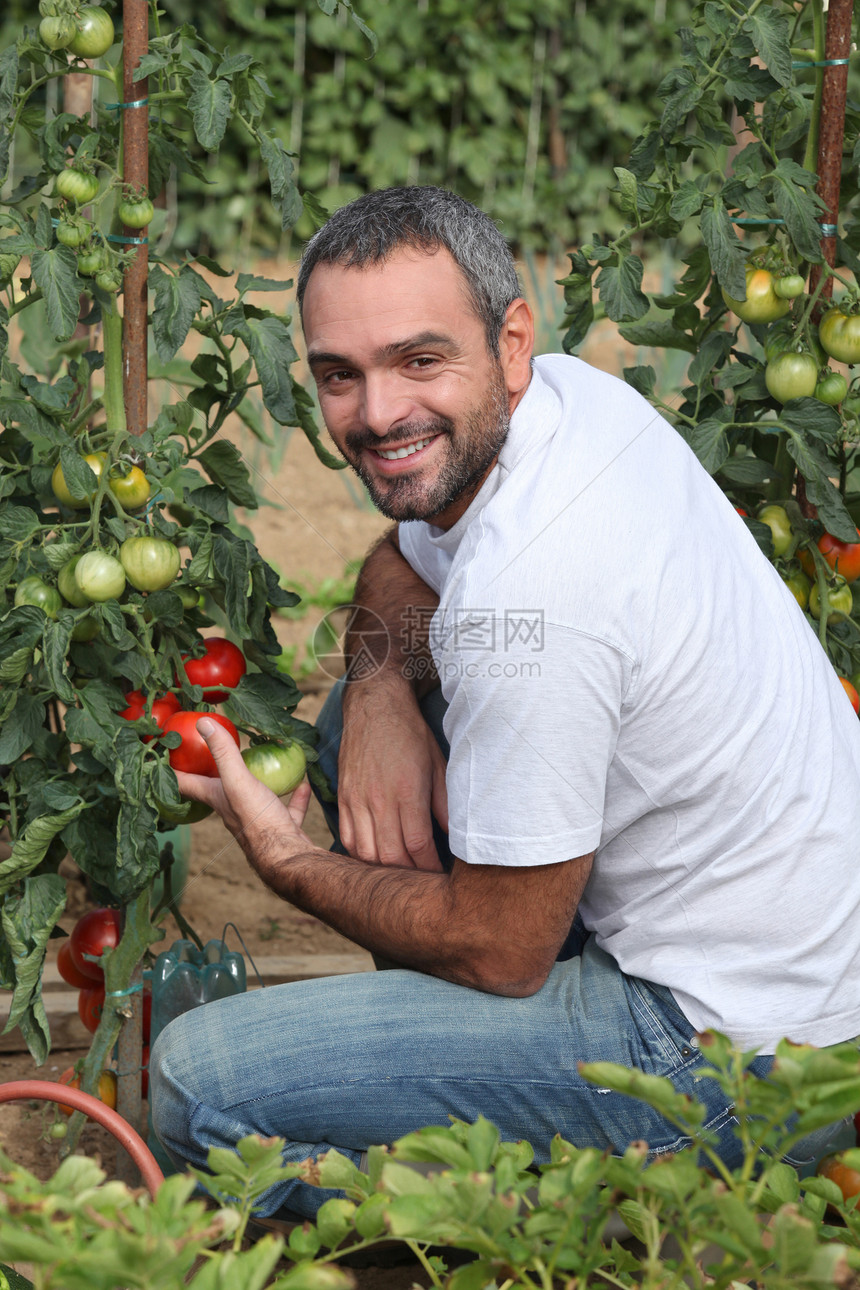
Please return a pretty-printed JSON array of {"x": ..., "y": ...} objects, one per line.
[{"x": 409, "y": 391}]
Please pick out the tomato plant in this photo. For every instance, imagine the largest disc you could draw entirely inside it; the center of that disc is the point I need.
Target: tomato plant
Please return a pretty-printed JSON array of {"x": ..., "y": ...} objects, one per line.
[
  {"x": 163, "y": 709},
  {"x": 62, "y": 492},
  {"x": 193, "y": 753},
  {"x": 762, "y": 304},
  {"x": 280, "y": 768},
  {"x": 843, "y": 557},
  {"x": 96, "y": 931},
  {"x": 94, "y": 32},
  {"x": 93, "y": 259},
  {"x": 222, "y": 665},
  {"x": 839, "y": 333},
  {"x": 791, "y": 375}
]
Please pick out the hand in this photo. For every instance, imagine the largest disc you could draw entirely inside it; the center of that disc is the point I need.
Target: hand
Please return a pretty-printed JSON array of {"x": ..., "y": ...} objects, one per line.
[
  {"x": 257, "y": 818},
  {"x": 391, "y": 780}
]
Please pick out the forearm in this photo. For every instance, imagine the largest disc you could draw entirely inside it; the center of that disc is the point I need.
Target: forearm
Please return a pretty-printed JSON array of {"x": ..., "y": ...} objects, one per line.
[{"x": 390, "y": 626}]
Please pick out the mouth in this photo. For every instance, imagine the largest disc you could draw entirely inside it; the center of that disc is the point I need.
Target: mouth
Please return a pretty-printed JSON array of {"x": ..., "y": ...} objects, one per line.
[{"x": 407, "y": 450}]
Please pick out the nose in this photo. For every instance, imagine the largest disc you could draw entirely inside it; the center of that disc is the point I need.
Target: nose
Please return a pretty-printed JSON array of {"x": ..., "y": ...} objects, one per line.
[{"x": 385, "y": 403}]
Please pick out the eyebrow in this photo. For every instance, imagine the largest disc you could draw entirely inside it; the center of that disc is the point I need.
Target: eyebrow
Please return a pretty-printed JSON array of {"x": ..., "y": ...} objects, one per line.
[{"x": 422, "y": 340}]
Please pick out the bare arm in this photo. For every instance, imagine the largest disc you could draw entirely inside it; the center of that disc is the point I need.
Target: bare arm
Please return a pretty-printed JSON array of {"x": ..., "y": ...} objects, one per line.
[
  {"x": 391, "y": 772},
  {"x": 490, "y": 927}
]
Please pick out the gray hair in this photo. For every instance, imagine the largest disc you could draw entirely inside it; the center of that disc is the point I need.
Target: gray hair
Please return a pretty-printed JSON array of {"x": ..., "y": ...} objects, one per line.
[{"x": 369, "y": 229}]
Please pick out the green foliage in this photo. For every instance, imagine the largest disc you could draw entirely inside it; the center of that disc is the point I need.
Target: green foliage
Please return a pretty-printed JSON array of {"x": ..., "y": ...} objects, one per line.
[
  {"x": 521, "y": 109},
  {"x": 738, "y": 206},
  {"x": 526, "y": 1225}
]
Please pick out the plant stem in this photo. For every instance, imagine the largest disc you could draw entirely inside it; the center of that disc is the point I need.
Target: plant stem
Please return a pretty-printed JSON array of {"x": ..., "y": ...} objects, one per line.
[
  {"x": 810, "y": 156},
  {"x": 113, "y": 397}
]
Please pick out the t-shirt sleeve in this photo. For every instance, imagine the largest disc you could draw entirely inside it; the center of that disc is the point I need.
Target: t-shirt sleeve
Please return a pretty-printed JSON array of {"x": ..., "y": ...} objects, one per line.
[
  {"x": 429, "y": 562},
  {"x": 533, "y": 728}
]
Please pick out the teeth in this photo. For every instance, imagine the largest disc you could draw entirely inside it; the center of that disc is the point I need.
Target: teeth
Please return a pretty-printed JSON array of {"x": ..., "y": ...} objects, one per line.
[{"x": 397, "y": 453}]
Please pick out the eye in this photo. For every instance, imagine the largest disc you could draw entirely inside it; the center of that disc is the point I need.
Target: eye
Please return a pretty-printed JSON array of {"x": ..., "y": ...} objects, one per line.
[
  {"x": 338, "y": 377},
  {"x": 422, "y": 362}
]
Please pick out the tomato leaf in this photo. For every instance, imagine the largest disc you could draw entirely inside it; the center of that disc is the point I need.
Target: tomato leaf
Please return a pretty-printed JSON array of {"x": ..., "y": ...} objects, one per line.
[
  {"x": 19, "y": 733},
  {"x": 270, "y": 345},
  {"x": 725, "y": 248},
  {"x": 55, "y": 273},
  {"x": 770, "y": 35},
  {"x": 285, "y": 194},
  {"x": 709, "y": 440},
  {"x": 225, "y": 466},
  {"x": 815, "y": 467},
  {"x": 28, "y": 920},
  {"x": 620, "y": 290},
  {"x": 209, "y": 104},
  {"x": 55, "y": 647},
  {"x": 661, "y": 333},
  {"x": 796, "y": 201},
  {"x": 177, "y": 300}
]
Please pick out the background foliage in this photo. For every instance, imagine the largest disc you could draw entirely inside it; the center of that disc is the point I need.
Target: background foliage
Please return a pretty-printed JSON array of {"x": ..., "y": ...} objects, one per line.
[{"x": 522, "y": 109}]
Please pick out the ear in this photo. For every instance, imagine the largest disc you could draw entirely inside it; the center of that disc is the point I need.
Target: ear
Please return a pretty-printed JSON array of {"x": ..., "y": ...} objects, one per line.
[{"x": 516, "y": 343}]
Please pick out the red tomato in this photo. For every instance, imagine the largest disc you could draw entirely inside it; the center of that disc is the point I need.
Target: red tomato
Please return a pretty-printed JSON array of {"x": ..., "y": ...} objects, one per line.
[
  {"x": 852, "y": 693},
  {"x": 91, "y": 1002},
  {"x": 222, "y": 664},
  {"x": 844, "y": 557},
  {"x": 67, "y": 969},
  {"x": 162, "y": 709},
  {"x": 193, "y": 753},
  {"x": 98, "y": 930}
]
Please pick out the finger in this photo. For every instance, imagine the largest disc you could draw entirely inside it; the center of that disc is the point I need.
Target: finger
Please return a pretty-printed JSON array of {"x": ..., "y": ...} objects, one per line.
[
  {"x": 298, "y": 802},
  {"x": 439, "y": 795},
  {"x": 202, "y": 788},
  {"x": 418, "y": 840},
  {"x": 222, "y": 746},
  {"x": 364, "y": 845}
]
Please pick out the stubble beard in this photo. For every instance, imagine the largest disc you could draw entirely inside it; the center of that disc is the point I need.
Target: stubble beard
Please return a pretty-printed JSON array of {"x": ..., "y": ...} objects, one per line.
[{"x": 470, "y": 449}]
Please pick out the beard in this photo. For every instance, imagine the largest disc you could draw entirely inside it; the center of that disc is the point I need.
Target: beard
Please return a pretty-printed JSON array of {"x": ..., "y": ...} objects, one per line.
[{"x": 471, "y": 446}]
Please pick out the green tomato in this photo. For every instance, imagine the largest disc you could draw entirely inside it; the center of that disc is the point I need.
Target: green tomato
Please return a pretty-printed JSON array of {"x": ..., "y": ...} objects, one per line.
[
  {"x": 109, "y": 280},
  {"x": 86, "y": 629},
  {"x": 190, "y": 597},
  {"x": 839, "y": 333},
  {"x": 33, "y": 591},
  {"x": 280, "y": 768},
  {"x": 150, "y": 563},
  {"x": 73, "y": 232},
  {"x": 762, "y": 304},
  {"x": 776, "y": 518},
  {"x": 77, "y": 186},
  {"x": 799, "y": 585},
  {"x": 132, "y": 489},
  {"x": 189, "y": 812},
  {"x": 831, "y": 388},
  {"x": 789, "y": 287},
  {"x": 136, "y": 212},
  {"x": 100, "y": 576},
  {"x": 839, "y": 595},
  {"x": 94, "y": 259},
  {"x": 791, "y": 376},
  {"x": 94, "y": 35},
  {"x": 57, "y": 32},
  {"x": 96, "y": 462},
  {"x": 68, "y": 587}
]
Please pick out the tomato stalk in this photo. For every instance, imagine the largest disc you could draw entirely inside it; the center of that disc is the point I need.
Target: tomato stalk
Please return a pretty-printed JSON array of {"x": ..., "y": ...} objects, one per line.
[
  {"x": 113, "y": 396},
  {"x": 810, "y": 157}
]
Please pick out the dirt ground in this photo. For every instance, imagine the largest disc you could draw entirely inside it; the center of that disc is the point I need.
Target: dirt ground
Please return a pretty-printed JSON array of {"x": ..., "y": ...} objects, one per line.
[{"x": 312, "y": 524}]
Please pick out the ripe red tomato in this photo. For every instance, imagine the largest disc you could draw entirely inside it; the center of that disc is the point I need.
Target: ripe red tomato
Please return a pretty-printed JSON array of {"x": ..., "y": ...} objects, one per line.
[
  {"x": 96, "y": 931},
  {"x": 91, "y": 1002},
  {"x": 222, "y": 664},
  {"x": 67, "y": 970},
  {"x": 163, "y": 709},
  {"x": 843, "y": 557},
  {"x": 193, "y": 753}
]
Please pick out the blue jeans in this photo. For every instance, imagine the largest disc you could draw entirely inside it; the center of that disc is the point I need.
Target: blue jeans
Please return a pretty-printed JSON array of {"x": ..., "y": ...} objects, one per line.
[{"x": 352, "y": 1061}]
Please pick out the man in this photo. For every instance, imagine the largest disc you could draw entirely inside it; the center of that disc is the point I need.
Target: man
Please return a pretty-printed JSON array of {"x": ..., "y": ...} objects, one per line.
[{"x": 644, "y": 821}]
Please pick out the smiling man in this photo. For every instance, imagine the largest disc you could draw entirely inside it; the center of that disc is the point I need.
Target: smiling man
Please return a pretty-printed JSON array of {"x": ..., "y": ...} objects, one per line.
[{"x": 590, "y": 787}]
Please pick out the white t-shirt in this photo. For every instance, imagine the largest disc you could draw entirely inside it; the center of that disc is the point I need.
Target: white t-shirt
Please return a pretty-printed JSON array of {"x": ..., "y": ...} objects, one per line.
[{"x": 627, "y": 674}]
